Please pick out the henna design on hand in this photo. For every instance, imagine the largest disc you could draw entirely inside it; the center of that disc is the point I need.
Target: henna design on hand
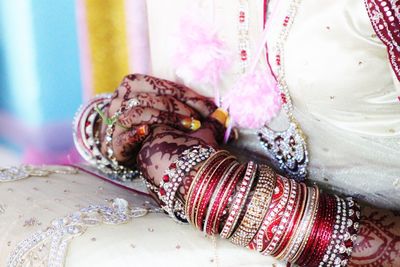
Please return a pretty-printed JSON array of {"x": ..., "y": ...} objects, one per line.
[
  {"x": 139, "y": 115},
  {"x": 181, "y": 92},
  {"x": 378, "y": 243},
  {"x": 162, "y": 148}
]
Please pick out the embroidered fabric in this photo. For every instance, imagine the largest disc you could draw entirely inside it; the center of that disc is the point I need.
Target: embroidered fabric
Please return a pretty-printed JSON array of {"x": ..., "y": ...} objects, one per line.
[
  {"x": 49, "y": 247},
  {"x": 29, "y": 205},
  {"x": 385, "y": 18}
]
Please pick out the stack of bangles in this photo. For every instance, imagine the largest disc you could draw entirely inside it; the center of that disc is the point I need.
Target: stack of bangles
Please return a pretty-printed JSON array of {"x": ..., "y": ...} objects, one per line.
[
  {"x": 253, "y": 207},
  {"x": 87, "y": 140}
]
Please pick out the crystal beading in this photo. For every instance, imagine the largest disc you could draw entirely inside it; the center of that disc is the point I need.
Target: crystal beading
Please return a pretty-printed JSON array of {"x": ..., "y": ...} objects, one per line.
[{"x": 63, "y": 230}]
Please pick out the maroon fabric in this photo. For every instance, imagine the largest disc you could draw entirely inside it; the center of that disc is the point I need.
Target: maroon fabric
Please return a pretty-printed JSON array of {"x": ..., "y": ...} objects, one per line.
[{"x": 385, "y": 19}]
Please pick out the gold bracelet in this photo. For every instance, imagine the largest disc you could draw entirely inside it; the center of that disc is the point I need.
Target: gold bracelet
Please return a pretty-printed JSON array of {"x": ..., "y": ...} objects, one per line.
[{"x": 257, "y": 207}]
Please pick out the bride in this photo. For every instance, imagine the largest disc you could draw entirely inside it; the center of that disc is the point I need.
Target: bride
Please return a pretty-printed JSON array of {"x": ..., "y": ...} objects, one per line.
[{"x": 337, "y": 70}]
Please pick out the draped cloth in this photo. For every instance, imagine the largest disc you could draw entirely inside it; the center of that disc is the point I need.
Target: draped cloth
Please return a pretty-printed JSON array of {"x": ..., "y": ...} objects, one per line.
[{"x": 344, "y": 89}]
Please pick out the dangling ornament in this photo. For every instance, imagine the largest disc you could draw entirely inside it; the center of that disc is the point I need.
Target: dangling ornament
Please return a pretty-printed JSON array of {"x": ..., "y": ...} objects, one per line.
[{"x": 254, "y": 100}]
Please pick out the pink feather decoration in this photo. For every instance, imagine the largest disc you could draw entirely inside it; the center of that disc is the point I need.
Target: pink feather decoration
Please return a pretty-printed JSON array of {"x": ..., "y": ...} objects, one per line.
[
  {"x": 201, "y": 56},
  {"x": 254, "y": 100}
]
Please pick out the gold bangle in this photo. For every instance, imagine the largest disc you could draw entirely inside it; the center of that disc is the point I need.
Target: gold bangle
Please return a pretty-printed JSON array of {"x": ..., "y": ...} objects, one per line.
[{"x": 257, "y": 207}]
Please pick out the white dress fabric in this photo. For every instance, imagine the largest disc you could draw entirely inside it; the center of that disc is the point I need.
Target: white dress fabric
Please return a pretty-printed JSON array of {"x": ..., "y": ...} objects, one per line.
[
  {"x": 29, "y": 205},
  {"x": 343, "y": 88}
]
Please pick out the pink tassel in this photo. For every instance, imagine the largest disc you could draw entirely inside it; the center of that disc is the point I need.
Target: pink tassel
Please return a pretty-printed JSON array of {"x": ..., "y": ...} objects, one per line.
[
  {"x": 254, "y": 100},
  {"x": 201, "y": 56}
]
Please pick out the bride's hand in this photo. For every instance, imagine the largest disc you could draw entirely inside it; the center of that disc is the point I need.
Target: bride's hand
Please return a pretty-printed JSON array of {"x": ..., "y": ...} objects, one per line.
[
  {"x": 154, "y": 101},
  {"x": 164, "y": 145}
]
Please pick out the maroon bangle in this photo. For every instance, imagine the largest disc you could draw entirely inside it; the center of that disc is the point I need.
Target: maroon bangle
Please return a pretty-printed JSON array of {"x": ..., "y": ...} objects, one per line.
[
  {"x": 314, "y": 240},
  {"x": 192, "y": 197},
  {"x": 203, "y": 182},
  {"x": 209, "y": 190},
  {"x": 229, "y": 192},
  {"x": 221, "y": 195},
  {"x": 310, "y": 245},
  {"x": 325, "y": 233},
  {"x": 318, "y": 238},
  {"x": 274, "y": 215},
  {"x": 295, "y": 219},
  {"x": 286, "y": 218}
]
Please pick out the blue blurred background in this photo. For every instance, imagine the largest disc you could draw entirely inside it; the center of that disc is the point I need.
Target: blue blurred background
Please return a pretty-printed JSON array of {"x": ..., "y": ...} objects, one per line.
[
  {"x": 50, "y": 54},
  {"x": 40, "y": 84}
]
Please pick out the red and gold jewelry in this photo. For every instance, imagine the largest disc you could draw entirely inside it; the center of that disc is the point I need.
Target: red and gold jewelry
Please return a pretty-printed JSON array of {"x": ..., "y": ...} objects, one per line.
[
  {"x": 274, "y": 215},
  {"x": 240, "y": 200},
  {"x": 257, "y": 207},
  {"x": 218, "y": 198}
]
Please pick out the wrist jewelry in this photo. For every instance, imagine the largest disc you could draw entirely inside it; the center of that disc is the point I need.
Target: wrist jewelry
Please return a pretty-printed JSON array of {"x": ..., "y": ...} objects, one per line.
[
  {"x": 240, "y": 200},
  {"x": 257, "y": 207},
  {"x": 174, "y": 176}
]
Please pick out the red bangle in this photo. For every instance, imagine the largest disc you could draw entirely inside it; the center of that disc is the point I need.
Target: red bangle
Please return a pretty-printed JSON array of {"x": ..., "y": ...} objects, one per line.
[
  {"x": 295, "y": 220},
  {"x": 315, "y": 239},
  {"x": 227, "y": 197},
  {"x": 201, "y": 189},
  {"x": 194, "y": 188},
  {"x": 287, "y": 215},
  {"x": 327, "y": 232},
  {"x": 218, "y": 198},
  {"x": 209, "y": 190},
  {"x": 273, "y": 216},
  {"x": 240, "y": 200}
]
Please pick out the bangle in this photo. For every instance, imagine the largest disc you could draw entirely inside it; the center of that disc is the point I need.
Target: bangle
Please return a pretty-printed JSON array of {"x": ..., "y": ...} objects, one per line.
[
  {"x": 195, "y": 183},
  {"x": 321, "y": 234},
  {"x": 174, "y": 176},
  {"x": 284, "y": 222},
  {"x": 299, "y": 229},
  {"x": 240, "y": 200},
  {"x": 257, "y": 207},
  {"x": 295, "y": 220},
  {"x": 348, "y": 233},
  {"x": 310, "y": 248},
  {"x": 308, "y": 222},
  {"x": 87, "y": 140},
  {"x": 209, "y": 188},
  {"x": 274, "y": 214},
  {"x": 227, "y": 197},
  {"x": 338, "y": 231},
  {"x": 200, "y": 188},
  {"x": 217, "y": 198},
  {"x": 123, "y": 172}
]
